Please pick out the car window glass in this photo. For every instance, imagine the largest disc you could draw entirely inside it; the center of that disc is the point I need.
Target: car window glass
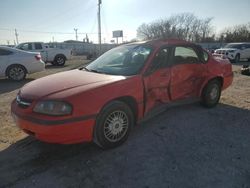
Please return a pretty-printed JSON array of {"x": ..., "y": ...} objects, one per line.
[
  {"x": 248, "y": 46},
  {"x": 26, "y": 46},
  {"x": 5, "y": 52},
  {"x": 185, "y": 55},
  {"x": 38, "y": 46},
  {"x": 124, "y": 60},
  {"x": 161, "y": 58},
  {"x": 243, "y": 46}
]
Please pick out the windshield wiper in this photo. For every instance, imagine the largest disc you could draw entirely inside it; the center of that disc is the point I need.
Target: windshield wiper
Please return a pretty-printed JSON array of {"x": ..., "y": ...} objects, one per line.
[
  {"x": 91, "y": 70},
  {"x": 83, "y": 68}
]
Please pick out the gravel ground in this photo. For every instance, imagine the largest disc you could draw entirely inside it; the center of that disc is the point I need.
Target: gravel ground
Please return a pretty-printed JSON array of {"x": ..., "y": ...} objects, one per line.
[{"x": 184, "y": 146}]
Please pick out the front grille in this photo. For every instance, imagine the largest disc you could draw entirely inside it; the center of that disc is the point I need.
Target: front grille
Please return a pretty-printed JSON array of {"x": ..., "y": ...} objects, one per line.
[
  {"x": 23, "y": 103},
  {"x": 220, "y": 51}
]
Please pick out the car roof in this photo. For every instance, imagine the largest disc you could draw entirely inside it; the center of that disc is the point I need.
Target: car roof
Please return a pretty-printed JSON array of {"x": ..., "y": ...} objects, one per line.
[{"x": 15, "y": 50}]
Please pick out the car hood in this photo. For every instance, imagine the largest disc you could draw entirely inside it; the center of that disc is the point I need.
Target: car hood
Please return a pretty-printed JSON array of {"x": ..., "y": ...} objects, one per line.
[
  {"x": 226, "y": 49},
  {"x": 64, "y": 81}
]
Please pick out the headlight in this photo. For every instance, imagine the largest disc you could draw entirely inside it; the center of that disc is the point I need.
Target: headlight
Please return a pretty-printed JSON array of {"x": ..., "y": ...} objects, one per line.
[{"x": 54, "y": 108}]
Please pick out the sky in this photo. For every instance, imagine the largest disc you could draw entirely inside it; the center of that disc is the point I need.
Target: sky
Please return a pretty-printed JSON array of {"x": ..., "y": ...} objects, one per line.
[{"x": 55, "y": 20}]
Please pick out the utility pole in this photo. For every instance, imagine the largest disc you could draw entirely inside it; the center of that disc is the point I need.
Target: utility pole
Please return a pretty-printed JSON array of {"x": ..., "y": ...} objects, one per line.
[
  {"x": 76, "y": 34},
  {"x": 99, "y": 26},
  {"x": 16, "y": 36},
  {"x": 87, "y": 38}
]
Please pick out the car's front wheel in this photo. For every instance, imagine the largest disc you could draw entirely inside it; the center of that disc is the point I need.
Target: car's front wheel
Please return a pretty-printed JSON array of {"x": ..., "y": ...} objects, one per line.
[
  {"x": 113, "y": 125},
  {"x": 211, "y": 94},
  {"x": 16, "y": 72}
]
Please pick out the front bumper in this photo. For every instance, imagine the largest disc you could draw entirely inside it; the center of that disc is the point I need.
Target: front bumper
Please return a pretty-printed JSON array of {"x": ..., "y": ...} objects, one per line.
[
  {"x": 228, "y": 80},
  {"x": 67, "y": 131},
  {"x": 225, "y": 54}
]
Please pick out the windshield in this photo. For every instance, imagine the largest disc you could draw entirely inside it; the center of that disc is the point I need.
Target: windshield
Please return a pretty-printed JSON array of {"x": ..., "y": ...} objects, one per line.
[
  {"x": 238, "y": 46},
  {"x": 124, "y": 60}
]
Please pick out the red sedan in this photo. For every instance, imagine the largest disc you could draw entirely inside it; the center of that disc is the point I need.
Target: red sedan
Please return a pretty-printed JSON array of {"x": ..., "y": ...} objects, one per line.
[{"x": 103, "y": 101}]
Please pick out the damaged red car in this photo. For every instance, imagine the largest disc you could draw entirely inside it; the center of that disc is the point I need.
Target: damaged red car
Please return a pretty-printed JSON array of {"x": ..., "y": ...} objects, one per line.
[{"x": 104, "y": 100}]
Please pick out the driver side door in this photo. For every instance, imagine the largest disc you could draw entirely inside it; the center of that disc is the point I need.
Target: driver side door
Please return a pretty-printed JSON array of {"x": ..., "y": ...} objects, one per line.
[{"x": 157, "y": 79}]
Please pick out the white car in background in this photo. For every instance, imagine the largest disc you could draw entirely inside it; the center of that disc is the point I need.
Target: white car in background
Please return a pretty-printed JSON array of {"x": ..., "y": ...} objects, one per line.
[
  {"x": 16, "y": 64},
  {"x": 235, "y": 51},
  {"x": 55, "y": 56}
]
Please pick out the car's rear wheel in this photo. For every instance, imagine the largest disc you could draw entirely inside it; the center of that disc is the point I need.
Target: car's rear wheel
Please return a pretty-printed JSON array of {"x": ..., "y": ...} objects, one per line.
[
  {"x": 211, "y": 94},
  {"x": 16, "y": 72},
  {"x": 113, "y": 125},
  {"x": 59, "y": 60}
]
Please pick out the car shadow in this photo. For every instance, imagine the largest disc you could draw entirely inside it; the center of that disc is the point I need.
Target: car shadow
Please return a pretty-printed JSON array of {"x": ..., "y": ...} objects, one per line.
[
  {"x": 7, "y": 85},
  {"x": 50, "y": 66},
  {"x": 242, "y": 63},
  {"x": 213, "y": 144}
]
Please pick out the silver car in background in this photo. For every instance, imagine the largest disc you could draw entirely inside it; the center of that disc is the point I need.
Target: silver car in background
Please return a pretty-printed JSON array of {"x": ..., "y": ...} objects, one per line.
[{"x": 16, "y": 64}]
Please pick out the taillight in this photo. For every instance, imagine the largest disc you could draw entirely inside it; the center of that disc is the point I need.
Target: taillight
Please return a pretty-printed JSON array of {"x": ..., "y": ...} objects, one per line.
[{"x": 38, "y": 57}]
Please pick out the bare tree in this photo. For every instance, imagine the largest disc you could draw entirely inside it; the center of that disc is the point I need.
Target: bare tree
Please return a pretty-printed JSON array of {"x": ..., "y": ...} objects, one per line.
[
  {"x": 183, "y": 26},
  {"x": 237, "y": 33}
]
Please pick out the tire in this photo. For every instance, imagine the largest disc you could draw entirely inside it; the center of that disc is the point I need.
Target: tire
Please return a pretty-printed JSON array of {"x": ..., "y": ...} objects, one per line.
[
  {"x": 113, "y": 125},
  {"x": 59, "y": 60},
  {"x": 237, "y": 58},
  {"x": 16, "y": 72},
  {"x": 211, "y": 94}
]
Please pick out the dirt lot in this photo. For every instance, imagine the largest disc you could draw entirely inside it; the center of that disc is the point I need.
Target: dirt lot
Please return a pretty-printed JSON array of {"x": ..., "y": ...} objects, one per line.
[{"x": 185, "y": 146}]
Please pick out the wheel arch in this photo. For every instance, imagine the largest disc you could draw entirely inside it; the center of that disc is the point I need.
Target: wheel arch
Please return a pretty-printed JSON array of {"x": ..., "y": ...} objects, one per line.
[
  {"x": 131, "y": 102},
  {"x": 219, "y": 78},
  {"x": 58, "y": 55},
  {"x": 128, "y": 100},
  {"x": 16, "y": 64}
]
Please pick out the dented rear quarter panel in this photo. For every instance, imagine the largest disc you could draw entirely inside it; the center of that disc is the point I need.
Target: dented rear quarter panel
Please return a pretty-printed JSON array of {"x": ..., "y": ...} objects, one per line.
[{"x": 218, "y": 68}]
